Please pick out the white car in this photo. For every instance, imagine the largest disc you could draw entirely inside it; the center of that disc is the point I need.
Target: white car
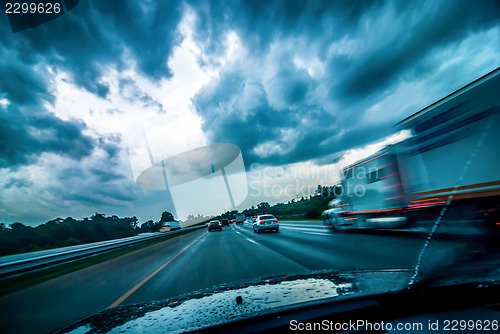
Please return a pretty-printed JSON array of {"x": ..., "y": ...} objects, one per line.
[{"x": 266, "y": 223}]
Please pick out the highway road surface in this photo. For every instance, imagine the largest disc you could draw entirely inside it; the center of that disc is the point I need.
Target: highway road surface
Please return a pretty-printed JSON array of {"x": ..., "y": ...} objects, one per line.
[{"x": 202, "y": 260}]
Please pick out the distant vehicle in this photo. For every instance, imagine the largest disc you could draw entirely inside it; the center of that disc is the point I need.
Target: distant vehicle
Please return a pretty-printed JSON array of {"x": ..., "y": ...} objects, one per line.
[
  {"x": 225, "y": 222},
  {"x": 214, "y": 225},
  {"x": 266, "y": 223},
  {"x": 240, "y": 217},
  {"x": 449, "y": 160},
  {"x": 170, "y": 226}
]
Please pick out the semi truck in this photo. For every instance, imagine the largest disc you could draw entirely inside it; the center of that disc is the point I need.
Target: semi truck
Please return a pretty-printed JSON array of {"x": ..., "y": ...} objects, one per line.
[
  {"x": 449, "y": 165},
  {"x": 240, "y": 217}
]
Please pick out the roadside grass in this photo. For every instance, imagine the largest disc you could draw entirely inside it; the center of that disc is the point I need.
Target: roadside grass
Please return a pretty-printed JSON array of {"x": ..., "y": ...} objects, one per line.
[{"x": 23, "y": 281}]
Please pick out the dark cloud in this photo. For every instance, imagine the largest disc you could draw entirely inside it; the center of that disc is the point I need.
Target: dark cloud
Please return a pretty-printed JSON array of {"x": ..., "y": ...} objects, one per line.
[
  {"x": 260, "y": 22},
  {"x": 437, "y": 26},
  {"x": 110, "y": 144},
  {"x": 251, "y": 123},
  {"x": 26, "y": 128},
  {"x": 82, "y": 43},
  {"x": 97, "y": 182},
  {"x": 20, "y": 83},
  {"x": 24, "y": 138},
  {"x": 17, "y": 182},
  {"x": 227, "y": 122},
  {"x": 99, "y": 33},
  {"x": 275, "y": 109},
  {"x": 391, "y": 41},
  {"x": 70, "y": 187}
]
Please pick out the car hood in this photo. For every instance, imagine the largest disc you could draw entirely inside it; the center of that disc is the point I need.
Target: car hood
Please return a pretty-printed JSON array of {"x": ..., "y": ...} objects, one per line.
[{"x": 220, "y": 305}]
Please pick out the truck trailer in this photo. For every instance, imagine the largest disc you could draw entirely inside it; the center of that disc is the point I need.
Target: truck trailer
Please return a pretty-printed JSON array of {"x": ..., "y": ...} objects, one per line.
[
  {"x": 449, "y": 165},
  {"x": 170, "y": 226},
  {"x": 240, "y": 217}
]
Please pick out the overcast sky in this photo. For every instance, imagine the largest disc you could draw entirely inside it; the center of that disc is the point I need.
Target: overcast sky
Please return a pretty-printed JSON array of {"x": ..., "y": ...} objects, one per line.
[{"x": 295, "y": 85}]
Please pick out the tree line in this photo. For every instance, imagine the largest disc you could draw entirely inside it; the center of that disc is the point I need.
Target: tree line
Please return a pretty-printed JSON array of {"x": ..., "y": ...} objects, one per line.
[
  {"x": 305, "y": 208},
  {"x": 20, "y": 238},
  {"x": 308, "y": 207}
]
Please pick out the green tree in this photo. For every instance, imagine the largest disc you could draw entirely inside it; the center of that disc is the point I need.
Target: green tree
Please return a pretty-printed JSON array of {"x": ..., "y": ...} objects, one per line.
[
  {"x": 263, "y": 206},
  {"x": 166, "y": 217},
  {"x": 150, "y": 226}
]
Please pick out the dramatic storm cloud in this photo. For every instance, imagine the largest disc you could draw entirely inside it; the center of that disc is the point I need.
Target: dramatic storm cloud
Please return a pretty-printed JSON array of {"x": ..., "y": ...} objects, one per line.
[
  {"x": 292, "y": 83},
  {"x": 311, "y": 79}
]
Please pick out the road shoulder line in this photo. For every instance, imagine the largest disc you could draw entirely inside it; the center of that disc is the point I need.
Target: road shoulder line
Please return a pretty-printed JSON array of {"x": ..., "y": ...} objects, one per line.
[{"x": 141, "y": 283}]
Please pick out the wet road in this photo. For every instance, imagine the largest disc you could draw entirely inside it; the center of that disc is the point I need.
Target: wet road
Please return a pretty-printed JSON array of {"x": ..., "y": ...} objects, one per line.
[{"x": 202, "y": 260}]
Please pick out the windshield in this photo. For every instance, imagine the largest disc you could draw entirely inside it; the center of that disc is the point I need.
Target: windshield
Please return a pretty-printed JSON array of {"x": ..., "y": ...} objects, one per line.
[{"x": 323, "y": 136}]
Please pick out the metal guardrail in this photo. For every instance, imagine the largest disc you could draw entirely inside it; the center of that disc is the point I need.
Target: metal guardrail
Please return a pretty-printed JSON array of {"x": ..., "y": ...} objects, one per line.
[{"x": 23, "y": 263}]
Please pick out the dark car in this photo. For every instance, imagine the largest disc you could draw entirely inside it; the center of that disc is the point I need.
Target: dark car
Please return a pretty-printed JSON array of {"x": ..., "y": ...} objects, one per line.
[
  {"x": 214, "y": 225},
  {"x": 225, "y": 222}
]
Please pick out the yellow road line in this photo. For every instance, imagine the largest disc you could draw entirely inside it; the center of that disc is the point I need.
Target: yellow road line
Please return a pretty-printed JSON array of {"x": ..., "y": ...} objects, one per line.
[{"x": 141, "y": 283}]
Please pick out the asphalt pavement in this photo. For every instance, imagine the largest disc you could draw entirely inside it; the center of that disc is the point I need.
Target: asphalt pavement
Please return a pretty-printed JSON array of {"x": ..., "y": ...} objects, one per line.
[{"x": 200, "y": 260}]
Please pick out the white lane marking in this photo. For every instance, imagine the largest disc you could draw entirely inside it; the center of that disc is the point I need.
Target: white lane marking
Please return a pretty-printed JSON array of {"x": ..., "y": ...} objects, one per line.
[
  {"x": 253, "y": 241},
  {"x": 315, "y": 231},
  {"x": 298, "y": 225},
  {"x": 329, "y": 234},
  {"x": 302, "y": 229},
  {"x": 269, "y": 248},
  {"x": 141, "y": 283},
  {"x": 248, "y": 239}
]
